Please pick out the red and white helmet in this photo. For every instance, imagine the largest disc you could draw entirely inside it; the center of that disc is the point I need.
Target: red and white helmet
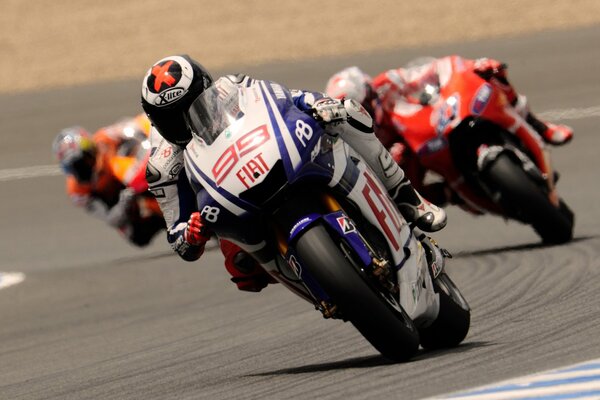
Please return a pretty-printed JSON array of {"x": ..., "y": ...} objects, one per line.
[
  {"x": 168, "y": 89},
  {"x": 353, "y": 83}
]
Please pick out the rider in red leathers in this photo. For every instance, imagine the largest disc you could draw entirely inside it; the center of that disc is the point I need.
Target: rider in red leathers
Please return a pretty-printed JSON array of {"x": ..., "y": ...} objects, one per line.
[{"x": 398, "y": 90}]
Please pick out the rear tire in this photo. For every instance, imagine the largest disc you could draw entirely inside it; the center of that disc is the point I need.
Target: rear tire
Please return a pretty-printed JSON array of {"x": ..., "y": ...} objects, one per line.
[
  {"x": 453, "y": 321},
  {"x": 384, "y": 324},
  {"x": 554, "y": 225}
]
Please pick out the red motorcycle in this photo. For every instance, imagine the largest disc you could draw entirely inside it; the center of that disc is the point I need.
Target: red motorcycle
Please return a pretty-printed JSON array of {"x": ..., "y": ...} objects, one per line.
[{"x": 490, "y": 158}]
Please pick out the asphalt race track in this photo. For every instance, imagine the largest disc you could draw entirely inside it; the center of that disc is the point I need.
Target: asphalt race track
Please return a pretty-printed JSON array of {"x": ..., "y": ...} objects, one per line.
[{"x": 98, "y": 319}]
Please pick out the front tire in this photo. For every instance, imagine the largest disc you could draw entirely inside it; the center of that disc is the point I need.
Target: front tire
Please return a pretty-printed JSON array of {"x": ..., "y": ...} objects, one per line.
[
  {"x": 519, "y": 192},
  {"x": 384, "y": 324}
]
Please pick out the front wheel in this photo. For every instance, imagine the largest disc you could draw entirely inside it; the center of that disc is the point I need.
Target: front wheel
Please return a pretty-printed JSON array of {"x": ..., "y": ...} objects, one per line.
[
  {"x": 375, "y": 313},
  {"x": 520, "y": 193}
]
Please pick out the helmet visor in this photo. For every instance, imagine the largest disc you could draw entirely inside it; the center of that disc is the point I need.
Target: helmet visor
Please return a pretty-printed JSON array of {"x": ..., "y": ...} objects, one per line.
[{"x": 80, "y": 167}]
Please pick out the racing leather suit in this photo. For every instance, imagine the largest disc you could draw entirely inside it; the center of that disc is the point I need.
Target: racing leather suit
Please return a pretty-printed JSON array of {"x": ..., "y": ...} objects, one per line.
[{"x": 106, "y": 196}]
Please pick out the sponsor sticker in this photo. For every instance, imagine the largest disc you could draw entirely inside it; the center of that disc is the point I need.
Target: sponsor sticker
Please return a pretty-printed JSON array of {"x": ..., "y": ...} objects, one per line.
[
  {"x": 446, "y": 113},
  {"x": 295, "y": 266},
  {"x": 482, "y": 98},
  {"x": 346, "y": 225},
  {"x": 169, "y": 96}
]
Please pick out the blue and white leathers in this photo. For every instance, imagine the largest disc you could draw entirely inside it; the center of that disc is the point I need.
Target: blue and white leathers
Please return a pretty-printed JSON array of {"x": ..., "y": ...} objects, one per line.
[{"x": 254, "y": 144}]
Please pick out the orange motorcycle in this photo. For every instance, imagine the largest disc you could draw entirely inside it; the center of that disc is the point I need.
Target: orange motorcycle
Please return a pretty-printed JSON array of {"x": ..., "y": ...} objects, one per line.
[{"x": 129, "y": 167}]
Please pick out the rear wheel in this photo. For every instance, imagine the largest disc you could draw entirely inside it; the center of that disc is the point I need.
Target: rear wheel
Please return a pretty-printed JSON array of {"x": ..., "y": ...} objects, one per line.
[
  {"x": 453, "y": 321},
  {"x": 519, "y": 192},
  {"x": 373, "y": 311}
]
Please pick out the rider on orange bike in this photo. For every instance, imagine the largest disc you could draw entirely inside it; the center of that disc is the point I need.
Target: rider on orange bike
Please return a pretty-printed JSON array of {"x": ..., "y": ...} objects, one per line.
[{"x": 105, "y": 175}]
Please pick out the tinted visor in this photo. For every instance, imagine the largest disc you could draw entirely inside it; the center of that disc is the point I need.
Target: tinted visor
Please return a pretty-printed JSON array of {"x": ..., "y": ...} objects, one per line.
[
  {"x": 81, "y": 168},
  {"x": 171, "y": 125}
]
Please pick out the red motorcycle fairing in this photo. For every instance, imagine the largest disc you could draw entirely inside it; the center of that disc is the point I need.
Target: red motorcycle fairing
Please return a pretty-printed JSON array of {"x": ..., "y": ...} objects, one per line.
[{"x": 465, "y": 99}]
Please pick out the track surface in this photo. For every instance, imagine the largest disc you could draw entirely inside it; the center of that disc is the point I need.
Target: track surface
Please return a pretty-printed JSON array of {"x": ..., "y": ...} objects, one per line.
[{"x": 96, "y": 318}]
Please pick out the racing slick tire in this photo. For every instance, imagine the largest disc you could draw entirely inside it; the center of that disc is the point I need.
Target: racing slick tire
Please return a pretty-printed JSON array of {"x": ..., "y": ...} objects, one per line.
[
  {"x": 373, "y": 311},
  {"x": 553, "y": 224}
]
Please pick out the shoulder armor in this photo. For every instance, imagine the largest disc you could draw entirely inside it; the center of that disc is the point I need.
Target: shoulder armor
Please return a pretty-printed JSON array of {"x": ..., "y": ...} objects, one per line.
[{"x": 358, "y": 113}]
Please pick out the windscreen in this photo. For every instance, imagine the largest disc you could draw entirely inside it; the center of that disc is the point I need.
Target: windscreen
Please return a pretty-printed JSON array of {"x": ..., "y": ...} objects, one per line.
[
  {"x": 213, "y": 111},
  {"x": 424, "y": 83}
]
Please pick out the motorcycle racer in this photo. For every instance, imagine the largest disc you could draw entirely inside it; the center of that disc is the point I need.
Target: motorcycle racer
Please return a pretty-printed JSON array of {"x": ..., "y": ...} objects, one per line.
[
  {"x": 105, "y": 176},
  {"x": 406, "y": 90},
  {"x": 169, "y": 88}
]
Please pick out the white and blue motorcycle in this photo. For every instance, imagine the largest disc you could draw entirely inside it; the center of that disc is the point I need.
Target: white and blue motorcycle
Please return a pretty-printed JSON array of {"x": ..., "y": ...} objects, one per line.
[{"x": 269, "y": 178}]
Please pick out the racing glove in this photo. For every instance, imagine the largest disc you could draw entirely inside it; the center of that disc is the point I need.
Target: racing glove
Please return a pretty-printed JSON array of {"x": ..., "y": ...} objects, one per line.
[
  {"x": 495, "y": 72},
  {"x": 195, "y": 233},
  {"x": 342, "y": 116},
  {"x": 190, "y": 243},
  {"x": 329, "y": 110},
  {"x": 397, "y": 151},
  {"x": 488, "y": 68}
]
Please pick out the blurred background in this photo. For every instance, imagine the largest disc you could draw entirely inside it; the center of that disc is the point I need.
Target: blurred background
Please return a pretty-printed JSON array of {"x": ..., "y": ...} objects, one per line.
[
  {"x": 47, "y": 44},
  {"x": 98, "y": 318}
]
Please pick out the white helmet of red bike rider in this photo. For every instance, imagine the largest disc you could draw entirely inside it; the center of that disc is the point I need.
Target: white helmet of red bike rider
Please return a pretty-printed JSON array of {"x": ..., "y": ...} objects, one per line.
[
  {"x": 418, "y": 81},
  {"x": 353, "y": 83},
  {"x": 75, "y": 150}
]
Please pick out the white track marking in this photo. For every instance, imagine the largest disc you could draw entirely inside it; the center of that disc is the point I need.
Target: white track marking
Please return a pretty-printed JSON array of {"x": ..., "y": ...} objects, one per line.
[
  {"x": 53, "y": 170},
  {"x": 10, "y": 278},
  {"x": 28, "y": 172},
  {"x": 580, "y": 381},
  {"x": 570, "y": 113}
]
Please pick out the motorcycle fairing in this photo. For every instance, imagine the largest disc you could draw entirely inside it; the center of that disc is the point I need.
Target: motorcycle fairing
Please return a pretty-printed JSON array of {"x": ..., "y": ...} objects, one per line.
[
  {"x": 287, "y": 118},
  {"x": 233, "y": 164},
  {"x": 445, "y": 116},
  {"x": 331, "y": 164},
  {"x": 293, "y": 138},
  {"x": 481, "y": 99},
  {"x": 302, "y": 224}
]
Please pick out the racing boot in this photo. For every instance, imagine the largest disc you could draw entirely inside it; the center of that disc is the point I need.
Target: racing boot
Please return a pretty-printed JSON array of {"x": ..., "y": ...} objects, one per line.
[
  {"x": 416, "y": 209},
  {"x": 245, "y": 271},
  {"x": 553, "y": 134}
]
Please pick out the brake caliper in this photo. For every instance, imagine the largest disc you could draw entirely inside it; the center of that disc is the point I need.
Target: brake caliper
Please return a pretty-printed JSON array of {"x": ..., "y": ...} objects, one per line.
[
  {"x": 328, "y": 310},
  {"x": 383, "y": 272}
]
